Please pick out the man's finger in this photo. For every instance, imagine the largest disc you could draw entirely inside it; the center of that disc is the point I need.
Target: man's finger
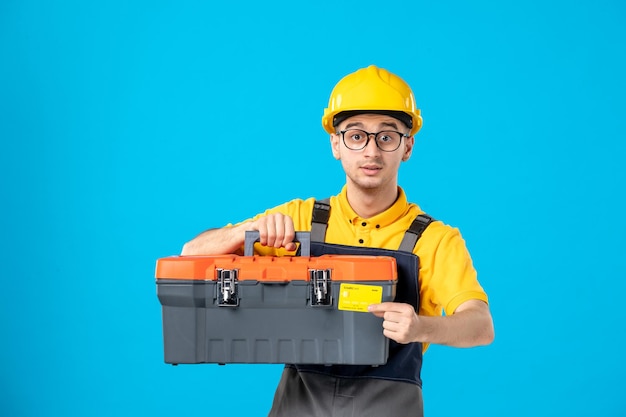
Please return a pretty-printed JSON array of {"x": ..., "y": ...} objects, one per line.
[
  {"x": 289, "y": 234},
  {"x": 382, "y": 307}
]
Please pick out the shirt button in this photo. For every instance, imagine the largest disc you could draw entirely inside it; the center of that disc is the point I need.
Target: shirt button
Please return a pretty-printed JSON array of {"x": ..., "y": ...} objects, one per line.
[
  {"x": 363, "y": 224},
  {"x": 378, "y": 226},
  {"x": 360, "y": 240}
]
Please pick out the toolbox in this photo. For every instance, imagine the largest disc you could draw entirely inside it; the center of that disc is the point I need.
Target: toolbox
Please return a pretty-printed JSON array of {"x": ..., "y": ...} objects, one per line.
[{"x": 266, "y": 309}]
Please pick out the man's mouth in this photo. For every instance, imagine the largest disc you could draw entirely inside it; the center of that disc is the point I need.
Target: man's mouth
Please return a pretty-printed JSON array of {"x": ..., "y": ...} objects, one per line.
[{"x": 371, "y": 169}]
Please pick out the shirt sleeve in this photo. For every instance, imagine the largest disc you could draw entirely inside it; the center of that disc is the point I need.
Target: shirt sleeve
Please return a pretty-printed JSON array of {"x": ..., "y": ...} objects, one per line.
[{"x": 447, "y": 275}]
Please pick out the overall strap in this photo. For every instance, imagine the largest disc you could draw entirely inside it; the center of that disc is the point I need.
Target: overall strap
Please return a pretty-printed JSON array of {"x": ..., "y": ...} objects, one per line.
[
  {"x": 412, "y": 235},
  {"x": 321, "y": 213}
]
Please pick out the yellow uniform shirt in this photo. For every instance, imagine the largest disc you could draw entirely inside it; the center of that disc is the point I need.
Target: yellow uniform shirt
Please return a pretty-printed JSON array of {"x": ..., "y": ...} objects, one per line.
[{"x": 447, "y": 277}]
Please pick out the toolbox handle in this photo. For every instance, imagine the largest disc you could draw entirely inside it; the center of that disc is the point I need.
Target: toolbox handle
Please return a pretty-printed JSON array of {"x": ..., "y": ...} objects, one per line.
[{"x": 252, "y": 236}]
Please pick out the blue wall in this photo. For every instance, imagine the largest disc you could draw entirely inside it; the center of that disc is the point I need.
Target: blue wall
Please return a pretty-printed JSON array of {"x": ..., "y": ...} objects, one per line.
[{"x": 128, "y": 127}]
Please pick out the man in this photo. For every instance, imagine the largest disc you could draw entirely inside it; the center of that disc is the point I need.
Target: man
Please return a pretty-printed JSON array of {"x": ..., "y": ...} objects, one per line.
[{"x": 372, "y": 120}]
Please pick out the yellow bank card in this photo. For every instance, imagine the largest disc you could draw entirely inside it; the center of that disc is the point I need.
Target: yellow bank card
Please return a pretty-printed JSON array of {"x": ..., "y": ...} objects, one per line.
[{"x": 356, "y": 297}]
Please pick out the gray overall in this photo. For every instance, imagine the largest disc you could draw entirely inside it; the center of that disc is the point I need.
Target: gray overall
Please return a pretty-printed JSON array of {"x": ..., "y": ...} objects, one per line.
[{"x": 390, "y": 390}]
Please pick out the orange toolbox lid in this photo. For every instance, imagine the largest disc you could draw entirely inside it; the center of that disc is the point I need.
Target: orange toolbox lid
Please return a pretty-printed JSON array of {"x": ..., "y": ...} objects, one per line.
[{"x": 278, "y": 269}]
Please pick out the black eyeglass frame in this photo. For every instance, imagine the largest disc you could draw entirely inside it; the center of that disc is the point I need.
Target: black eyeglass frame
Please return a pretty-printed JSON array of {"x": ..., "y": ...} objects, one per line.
[{"x": 375, "y": 134}]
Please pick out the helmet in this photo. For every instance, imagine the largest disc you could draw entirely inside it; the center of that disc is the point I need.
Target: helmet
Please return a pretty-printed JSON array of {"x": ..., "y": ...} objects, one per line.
[{"x": 370, "y": 89}]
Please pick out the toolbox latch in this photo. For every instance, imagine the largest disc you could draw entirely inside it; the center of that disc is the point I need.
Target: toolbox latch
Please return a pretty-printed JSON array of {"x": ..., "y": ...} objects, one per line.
[
  {"x": 227, "y": 287},
  {"x": 320, "y": 287}
]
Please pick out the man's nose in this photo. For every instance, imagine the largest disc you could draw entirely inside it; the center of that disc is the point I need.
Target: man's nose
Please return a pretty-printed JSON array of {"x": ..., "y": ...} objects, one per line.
[{"x": 372, "y": 147}]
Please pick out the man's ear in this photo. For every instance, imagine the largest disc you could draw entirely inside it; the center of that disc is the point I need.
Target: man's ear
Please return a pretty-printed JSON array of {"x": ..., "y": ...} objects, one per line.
[
  {"x": 408, "y": 147},
  {"x": 334, "y": 145}
]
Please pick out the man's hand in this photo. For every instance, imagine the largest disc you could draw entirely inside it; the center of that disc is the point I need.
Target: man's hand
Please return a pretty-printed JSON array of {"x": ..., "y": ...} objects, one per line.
[
  {"x": 400, "y": 321},
  {"x": 470, "y": 324},
  {"x": 275, "y": 230}
]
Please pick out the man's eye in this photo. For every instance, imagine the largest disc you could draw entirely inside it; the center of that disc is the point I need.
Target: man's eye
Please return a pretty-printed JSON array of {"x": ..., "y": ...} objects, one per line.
[{"x": 356, "y": 135}]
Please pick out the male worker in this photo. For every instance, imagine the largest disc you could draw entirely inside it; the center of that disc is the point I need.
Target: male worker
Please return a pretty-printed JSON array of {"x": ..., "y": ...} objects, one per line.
[{"x": 372, "y": 119}]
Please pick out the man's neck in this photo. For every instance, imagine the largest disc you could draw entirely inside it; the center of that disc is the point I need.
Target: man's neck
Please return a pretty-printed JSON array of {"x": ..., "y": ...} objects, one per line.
[{"x": 368, "y": 203}]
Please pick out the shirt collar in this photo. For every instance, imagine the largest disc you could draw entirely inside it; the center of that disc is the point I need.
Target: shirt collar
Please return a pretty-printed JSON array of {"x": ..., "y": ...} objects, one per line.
[{"x": 397, "y": 210}]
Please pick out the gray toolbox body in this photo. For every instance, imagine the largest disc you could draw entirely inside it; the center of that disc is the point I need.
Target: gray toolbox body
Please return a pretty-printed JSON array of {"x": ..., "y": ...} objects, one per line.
[{"x": 260, "y": 309}]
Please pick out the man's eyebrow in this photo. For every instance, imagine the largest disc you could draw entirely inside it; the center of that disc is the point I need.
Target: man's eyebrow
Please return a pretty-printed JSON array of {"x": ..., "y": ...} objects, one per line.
[
  {"x": 390, "y": 124},
  {"x": 383, "y": 124},
  {"x": 354, "y": 124}
]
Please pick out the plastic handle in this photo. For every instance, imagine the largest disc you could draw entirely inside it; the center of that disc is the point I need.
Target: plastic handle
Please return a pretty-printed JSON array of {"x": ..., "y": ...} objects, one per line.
[{"x": 252, "y": 236}]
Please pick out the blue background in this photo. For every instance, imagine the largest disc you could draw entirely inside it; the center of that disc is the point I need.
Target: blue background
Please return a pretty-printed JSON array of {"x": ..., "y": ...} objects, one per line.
[{"x": 128, "y": 127}]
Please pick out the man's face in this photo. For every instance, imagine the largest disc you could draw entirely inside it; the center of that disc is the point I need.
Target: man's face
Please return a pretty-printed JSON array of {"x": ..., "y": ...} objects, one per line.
[{"x": 371, "y": 168}]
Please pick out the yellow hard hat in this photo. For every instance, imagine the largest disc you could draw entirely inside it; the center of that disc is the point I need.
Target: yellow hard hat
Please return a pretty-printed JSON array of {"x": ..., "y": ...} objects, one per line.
[{"x": 372, "y": 90}]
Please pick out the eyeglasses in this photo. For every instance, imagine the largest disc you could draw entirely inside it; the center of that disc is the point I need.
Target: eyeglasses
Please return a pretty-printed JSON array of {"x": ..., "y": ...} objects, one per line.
[{"x": 387, "y": 140}]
